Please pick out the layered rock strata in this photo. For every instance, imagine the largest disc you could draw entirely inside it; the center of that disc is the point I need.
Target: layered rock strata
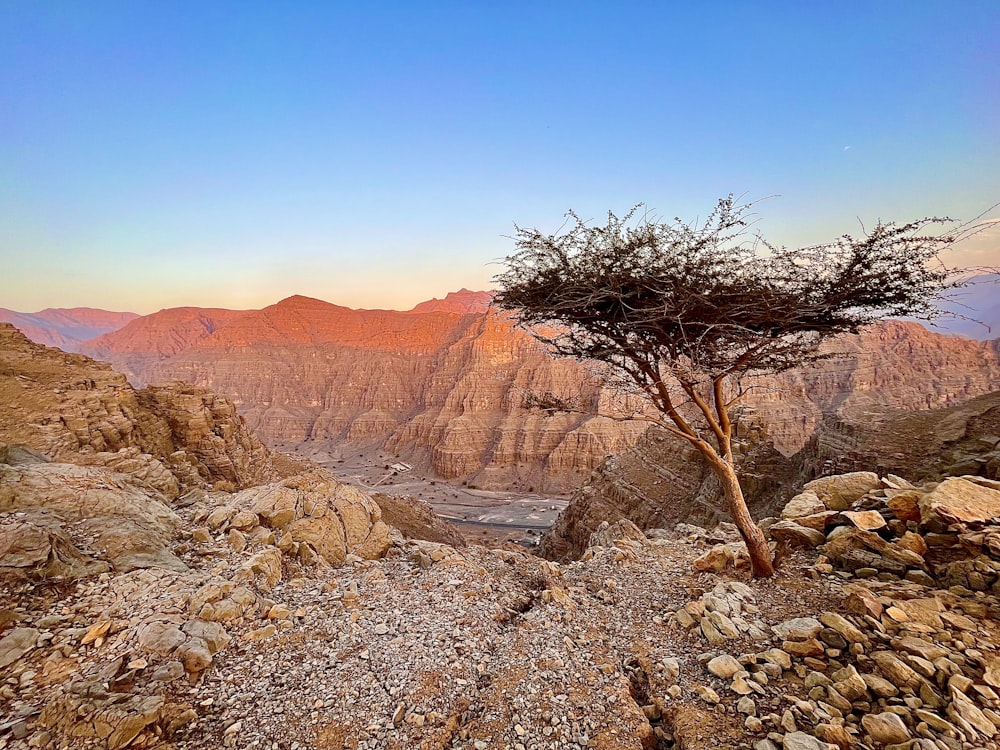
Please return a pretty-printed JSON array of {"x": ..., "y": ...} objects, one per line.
[
  {"x": 441, "y": 389},
  {"x": 663, "y": 481},
  {"x": 71, "y": 408},
  {"x": 442, "y": 385}
]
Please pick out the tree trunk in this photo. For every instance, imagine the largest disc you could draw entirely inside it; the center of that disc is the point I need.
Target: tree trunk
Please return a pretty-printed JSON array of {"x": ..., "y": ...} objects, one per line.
[{"x": 760, "y": 554}]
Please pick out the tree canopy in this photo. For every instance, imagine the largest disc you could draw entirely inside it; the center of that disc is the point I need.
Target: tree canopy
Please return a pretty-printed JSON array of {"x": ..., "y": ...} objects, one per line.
[
  {"x": 641, "y": 293},
  {"x": 677, "y": 309}
]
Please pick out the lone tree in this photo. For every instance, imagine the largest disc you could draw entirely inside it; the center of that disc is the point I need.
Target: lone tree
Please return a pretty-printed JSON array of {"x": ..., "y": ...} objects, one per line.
[{"x": 680, "y": 313}]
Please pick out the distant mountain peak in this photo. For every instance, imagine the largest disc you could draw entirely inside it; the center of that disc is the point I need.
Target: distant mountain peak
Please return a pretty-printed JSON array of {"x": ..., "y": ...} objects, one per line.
[
  {"x": 461, "y": 302},
  {"x": 66, "y": 327}
]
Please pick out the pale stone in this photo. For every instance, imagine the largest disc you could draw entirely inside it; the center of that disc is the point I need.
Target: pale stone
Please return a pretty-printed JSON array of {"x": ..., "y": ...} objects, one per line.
[
  {"x": 724, "y": 666},
  {"x": 798, "y": 628},
  {"x": 885, "y": 728},
  {"x": 16, "y": 644},
  {"x": 958, "y": 500},
  {"x": 160, "y": 637},
  {"x": 804, "y": 504},
  {"x": 801, "y": 741},
  {"x": 866, "y": 520},
  {"x": 841, "y": 491}
]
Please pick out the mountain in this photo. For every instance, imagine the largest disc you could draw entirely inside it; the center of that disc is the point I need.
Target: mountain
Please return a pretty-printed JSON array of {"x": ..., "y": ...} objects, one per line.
[
  {"x": 443, "y": 389},
  {"x": 461, "y": 302},
  {"x": 66, "y": 327}
]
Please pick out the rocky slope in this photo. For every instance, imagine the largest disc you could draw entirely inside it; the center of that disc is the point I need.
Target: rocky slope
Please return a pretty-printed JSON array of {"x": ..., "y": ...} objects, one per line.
[
  {"x": 66, "y": 328},
  {"x": 662, "y": 480},
  {"x": 440, "y": 389},
  {"x": 645, "y": 643},
  {"x": 440, "y": 385},
  {"x": 72, "y": 409}
]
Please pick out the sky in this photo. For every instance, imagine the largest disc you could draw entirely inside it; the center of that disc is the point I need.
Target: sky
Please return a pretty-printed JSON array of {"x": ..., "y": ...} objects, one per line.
[{"x": 378, "y": 154}]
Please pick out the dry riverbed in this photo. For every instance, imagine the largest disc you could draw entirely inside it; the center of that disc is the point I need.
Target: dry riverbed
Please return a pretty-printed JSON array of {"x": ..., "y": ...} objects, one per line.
[{"x": 482, "y": 515}]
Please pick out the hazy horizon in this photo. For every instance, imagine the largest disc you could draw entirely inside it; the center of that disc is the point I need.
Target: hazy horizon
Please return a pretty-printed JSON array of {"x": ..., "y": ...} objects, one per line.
[{"x": 235, "y": 154}]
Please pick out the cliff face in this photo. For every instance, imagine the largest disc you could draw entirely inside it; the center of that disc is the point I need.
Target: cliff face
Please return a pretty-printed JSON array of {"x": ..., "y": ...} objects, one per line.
[
  {"x": 893, "y": 365},
  {"x": 663, "y": 480},
  {"x": 66, "y": 328},
  {"x": 441, "y": 389},
  {"x": 75, "y": 410}
]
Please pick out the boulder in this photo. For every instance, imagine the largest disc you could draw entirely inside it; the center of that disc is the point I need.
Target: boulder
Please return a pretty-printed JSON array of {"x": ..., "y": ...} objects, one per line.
[
  {"x": 885, "y": 728},
  {"x": 839, "y": 492},
  {"x": 958, "y": 500},
  {"x": 804, "y": 504},
  {"x": 314, "y": 508},
  {"x": 794, "y": 535},
  {"x": 905, "y": 504},
  {"x": 866, "y": 520}
]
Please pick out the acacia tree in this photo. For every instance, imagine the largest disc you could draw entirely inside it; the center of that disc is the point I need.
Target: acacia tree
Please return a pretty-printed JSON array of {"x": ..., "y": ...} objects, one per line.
[{"x": 682, "y": 313}]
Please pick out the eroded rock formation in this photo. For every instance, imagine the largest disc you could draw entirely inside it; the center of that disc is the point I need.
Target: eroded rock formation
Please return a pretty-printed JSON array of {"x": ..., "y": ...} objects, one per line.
[
  {"x": 442, "y": 385},
  {"x": 70, "y": 408}
]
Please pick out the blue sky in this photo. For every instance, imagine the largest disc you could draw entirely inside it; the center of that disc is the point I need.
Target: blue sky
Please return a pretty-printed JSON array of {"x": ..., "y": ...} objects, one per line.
[{"x": 377, "y": 154}]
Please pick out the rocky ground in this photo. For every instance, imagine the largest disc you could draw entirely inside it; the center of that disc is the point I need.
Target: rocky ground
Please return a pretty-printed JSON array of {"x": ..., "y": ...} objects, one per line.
[
  {"x": 166, "y": 582},
  {"x": 652, "y": 641}
]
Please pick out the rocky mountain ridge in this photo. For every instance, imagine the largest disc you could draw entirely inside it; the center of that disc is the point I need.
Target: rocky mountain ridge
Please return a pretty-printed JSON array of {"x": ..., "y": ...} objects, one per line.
[
  {"x": 66, "y": 328},
  {"x": 440, "y": 389},
  {"x": 443, "y": 389}
]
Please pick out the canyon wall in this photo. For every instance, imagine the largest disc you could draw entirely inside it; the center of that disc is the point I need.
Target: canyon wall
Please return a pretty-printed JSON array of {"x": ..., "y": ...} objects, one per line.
[
  {"x": 441, "y": 389},
  {"x": 441, "y": 385}
]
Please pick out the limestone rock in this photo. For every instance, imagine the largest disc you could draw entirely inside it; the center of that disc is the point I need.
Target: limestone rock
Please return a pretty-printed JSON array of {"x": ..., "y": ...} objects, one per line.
[
  {"x": 75, "y": 410},
  {"x": 609, "y": 535},
  {"x": 958, "y": 500},
  {"x": 37, "y": 546},
  {"x": 841, "y": 491},
  {"x": 804, "y": 504},
  {"x": 866, "y": 520},
  {"x": 801, "y": 741},
  {"x": 133, "y": 528},
  {"x": 905, "y": 504},
  {"x": 885, "y": 728},
  {"x": 16, "y": 644},
  {"x": 335, "y": 519},
  {"x": 791, "y": 533},
  {"x": 724, "y": 666},
  {"x": 798, "y": 628}
]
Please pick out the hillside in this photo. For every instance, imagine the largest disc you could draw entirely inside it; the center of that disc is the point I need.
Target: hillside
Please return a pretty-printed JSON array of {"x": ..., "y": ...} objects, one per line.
[
  {"x": 442, "y": 388},
  {"x": 275, "y": 608}
]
